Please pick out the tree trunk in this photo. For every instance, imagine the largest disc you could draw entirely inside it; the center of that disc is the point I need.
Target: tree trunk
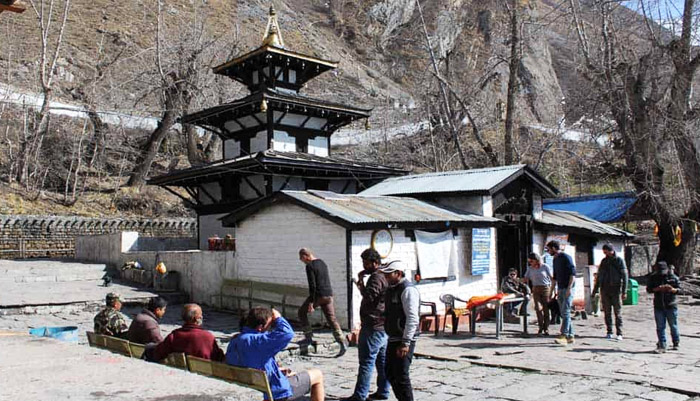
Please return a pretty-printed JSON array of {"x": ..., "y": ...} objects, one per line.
[
  {"x": 194, "y": 155},
  {"x": 150, "y": 149},
  {"x": 508, "y": 157}
]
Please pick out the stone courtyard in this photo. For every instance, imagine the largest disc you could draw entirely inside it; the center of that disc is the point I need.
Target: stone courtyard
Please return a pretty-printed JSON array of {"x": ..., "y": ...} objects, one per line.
[{"x": 446, "y": 367}]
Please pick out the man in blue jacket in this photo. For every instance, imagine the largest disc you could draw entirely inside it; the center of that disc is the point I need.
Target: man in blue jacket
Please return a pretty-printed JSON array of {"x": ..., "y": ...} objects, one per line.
[{"x": 265, "y": 334}]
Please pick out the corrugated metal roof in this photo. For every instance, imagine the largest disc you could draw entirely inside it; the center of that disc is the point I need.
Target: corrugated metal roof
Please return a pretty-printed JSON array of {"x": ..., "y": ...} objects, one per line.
[
  {"x": 565, "y": 219},
  {"x": 605, "y": 208},
  {"x": 357, "y": 209},
  {"x": 477, "y": 180}
]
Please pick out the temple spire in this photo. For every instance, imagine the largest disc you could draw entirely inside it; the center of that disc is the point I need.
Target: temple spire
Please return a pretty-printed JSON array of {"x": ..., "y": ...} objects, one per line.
[{"x": 273, "y": 34}]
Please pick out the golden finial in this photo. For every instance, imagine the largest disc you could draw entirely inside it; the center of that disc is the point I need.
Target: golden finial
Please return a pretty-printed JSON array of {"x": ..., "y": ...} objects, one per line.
[
  {"x": 367, "y": 125},
  {"x": 273, "y": 34},
  {"x": 263, "y": 106}
]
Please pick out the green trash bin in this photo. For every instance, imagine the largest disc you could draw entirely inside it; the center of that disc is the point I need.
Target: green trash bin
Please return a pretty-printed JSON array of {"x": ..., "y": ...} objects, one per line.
[{"x": 632, "y": 293}]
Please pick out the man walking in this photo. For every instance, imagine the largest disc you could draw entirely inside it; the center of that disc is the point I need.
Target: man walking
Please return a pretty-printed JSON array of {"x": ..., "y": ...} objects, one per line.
[
  {"x": 612, "y": 283},
  {"x": 564, "y": 278},
  {"x": 373, "y": 339},
  {"x": 320, "y": 295},
  {"x": 665, "y": 286},
  {"x": 402, "y": 305}
]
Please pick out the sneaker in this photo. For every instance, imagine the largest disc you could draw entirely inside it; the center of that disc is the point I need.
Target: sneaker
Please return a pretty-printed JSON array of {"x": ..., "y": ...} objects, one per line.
[
  {"x": 619, "y": 337},
  {"x": 609, "y": 336},
  {"x": 570, "y": 340},
  {"x": 660, "y": 350},
  {"x": 675, "y": 347},
  {"x": 352, "y": 398},
  {"x": 377, "y": 396},
  {"x": 561, "y": 340}
]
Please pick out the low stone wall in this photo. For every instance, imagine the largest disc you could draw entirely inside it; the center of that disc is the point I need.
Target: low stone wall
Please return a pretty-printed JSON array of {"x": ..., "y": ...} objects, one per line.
[
  {"x": 23, "y": 236},
  {"x": 200, "y": 272}
]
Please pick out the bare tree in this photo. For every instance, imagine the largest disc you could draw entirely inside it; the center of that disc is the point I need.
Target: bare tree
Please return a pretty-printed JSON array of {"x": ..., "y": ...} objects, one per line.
[
  {"x": 645, "y": 82},
  {"x": 51, "y": 42},
  {"x": 184, "y": 54}
]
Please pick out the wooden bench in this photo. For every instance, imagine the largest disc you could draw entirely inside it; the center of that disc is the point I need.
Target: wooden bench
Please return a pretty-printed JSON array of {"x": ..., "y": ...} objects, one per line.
[
  {"x": 250, "y": 293},
  {"x": 251, "y": 378}
]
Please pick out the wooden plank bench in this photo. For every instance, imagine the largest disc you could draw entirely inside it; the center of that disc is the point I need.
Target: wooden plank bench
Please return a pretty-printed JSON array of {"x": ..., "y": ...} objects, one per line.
[
  {"x": 251, "y": 378},
  {"x": 251, "y": 293}
]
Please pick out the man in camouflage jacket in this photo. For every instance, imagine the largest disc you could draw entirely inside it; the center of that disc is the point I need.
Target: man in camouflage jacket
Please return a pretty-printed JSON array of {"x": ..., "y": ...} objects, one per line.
[{"x": 110, "y": 321}]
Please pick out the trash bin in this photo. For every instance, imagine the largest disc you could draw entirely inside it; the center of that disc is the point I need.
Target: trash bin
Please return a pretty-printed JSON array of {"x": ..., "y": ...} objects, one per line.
[{"x": 632, "y": 293}]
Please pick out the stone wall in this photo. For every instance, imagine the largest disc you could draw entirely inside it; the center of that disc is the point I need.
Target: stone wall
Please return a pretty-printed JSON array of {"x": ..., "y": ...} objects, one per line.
[{"x": 54, "y": 236}]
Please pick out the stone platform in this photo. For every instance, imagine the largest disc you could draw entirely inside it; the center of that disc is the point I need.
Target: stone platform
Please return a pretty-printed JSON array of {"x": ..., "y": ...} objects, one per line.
[{"x": 45, "y": 286}]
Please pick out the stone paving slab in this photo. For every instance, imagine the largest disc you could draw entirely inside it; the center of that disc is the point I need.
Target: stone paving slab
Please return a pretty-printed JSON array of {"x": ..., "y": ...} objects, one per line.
[
  {"x": 592, "y": 355},
  {"x": 45, "y": 369}
]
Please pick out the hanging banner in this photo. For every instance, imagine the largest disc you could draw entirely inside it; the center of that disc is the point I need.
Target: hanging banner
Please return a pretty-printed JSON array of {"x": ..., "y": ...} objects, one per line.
[
  {"x": 481, "y": 251},
  {"x": 436, "y": 254}
]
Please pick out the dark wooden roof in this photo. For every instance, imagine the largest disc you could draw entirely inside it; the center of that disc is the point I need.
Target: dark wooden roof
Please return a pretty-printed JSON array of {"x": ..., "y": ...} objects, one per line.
[
  {"x": 338, "y": 115},
  {"x": 275, "y": 162},
  {"x": 241, "y": 68}
]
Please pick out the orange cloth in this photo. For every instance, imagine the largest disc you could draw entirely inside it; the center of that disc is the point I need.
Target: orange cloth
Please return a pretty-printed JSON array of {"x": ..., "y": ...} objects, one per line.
[{"x": 482, "y": 299}]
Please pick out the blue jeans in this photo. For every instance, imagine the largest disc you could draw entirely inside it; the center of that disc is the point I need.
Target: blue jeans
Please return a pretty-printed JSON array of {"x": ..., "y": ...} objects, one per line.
[
  {"x": 372, "y": 352},
  {"x": 567, "y": 329},
  {"x": 662, "y": 316}
]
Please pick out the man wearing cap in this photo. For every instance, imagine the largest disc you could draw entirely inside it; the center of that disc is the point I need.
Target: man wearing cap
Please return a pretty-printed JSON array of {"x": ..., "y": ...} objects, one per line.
[
  {"x": 402, "y": 313},
  {"x": 110, "y": 321},
  {"x": 373, "y": 339}
]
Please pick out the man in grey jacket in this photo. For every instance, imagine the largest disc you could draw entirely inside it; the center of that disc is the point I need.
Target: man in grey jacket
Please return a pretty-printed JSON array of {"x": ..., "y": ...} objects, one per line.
[
  {"x": 612, "y": 283},
  {"x": 402, "y": 312}
]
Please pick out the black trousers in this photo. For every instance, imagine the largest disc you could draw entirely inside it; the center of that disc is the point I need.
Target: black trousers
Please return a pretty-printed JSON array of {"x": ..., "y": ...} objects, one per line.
[{"x": 397, "y": 371}]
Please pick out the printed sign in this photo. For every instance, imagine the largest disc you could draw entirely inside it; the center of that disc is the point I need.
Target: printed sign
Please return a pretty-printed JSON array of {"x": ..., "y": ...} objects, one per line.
[{"x": 481, "y": 250}]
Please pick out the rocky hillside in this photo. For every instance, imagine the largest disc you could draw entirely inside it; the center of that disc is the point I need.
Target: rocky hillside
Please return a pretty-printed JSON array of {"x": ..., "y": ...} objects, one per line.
[{"x": 108, "y": 63}]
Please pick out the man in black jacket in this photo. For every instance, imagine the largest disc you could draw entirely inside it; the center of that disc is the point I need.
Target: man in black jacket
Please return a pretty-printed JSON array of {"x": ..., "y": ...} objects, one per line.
[
  {"x": 320, "y": 295},
  {"x": 372, "y": 341},
  {"x": 665, "y": 286},
  {"x": 402, "y": 312},
  {"x": 612, "y": 283}
]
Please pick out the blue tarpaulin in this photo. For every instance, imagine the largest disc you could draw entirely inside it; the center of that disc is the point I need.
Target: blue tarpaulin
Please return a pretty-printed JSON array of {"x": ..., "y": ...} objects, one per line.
[{"x": 605, "y": 208}]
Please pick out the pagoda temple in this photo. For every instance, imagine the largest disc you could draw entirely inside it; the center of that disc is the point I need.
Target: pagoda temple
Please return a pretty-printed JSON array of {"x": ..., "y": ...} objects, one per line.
[{"x": 273, "y": 139}]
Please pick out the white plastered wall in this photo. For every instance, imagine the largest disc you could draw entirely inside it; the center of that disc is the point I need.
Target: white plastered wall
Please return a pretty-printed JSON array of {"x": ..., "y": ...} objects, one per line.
[
  {"x": 464, "y": 286},
  {"x": 232, "y": 149},
  {"x": 267, "y": 249},
  {"x": 283, "y": 142},
  {"x": 258, "y": 143},
  {"x": 319, "y": 146}
]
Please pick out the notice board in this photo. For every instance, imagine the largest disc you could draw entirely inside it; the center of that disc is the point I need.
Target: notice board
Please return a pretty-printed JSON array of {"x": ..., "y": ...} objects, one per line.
[{"x": 481, "y": 250}]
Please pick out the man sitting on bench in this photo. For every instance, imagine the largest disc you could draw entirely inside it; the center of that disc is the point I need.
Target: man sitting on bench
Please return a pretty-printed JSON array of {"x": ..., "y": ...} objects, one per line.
[
  {"x": 265, "y": 334},
  {"x": 191, "y": 338}
]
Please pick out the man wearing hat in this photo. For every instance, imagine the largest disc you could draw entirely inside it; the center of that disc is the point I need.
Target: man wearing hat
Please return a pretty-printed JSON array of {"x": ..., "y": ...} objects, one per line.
[
  {"x": 402, "y": 313},
  {"x": 110, "y": 321}
]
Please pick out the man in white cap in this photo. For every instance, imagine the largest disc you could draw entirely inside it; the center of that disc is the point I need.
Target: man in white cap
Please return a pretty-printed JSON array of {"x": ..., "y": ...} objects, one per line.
[{"x": 402, "y": 312}]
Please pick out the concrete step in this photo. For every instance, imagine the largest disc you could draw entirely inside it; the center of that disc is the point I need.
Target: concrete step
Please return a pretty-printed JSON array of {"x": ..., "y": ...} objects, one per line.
[{"x": 45, "y": 297}]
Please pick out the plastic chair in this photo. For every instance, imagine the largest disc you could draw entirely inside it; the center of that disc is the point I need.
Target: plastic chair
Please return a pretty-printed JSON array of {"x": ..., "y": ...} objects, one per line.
[
  {"x": 433, "y": 313},
  {"x": 450, "y": 309}
]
